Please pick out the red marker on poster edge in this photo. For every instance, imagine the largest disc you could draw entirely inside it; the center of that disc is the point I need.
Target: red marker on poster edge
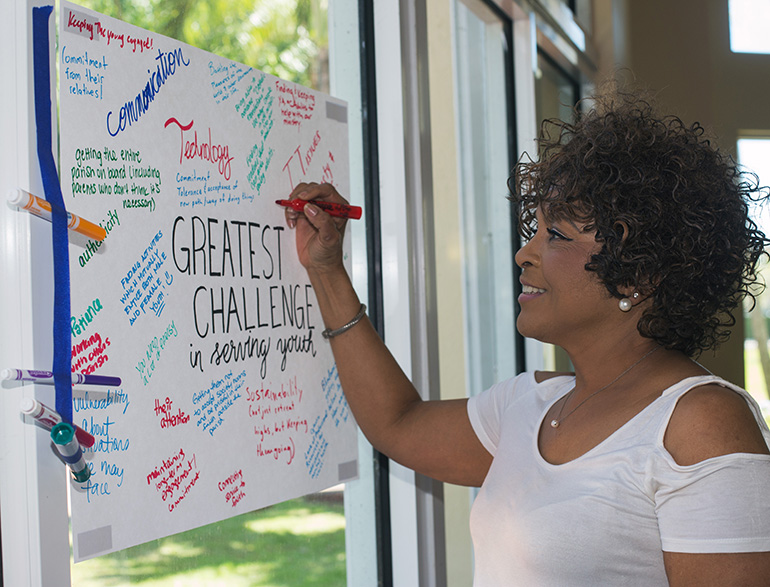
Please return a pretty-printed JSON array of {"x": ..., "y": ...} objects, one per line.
[{"x": 331, "y": 208}]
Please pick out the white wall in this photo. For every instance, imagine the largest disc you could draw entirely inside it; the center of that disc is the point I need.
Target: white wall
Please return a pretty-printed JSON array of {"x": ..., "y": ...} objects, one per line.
[{"x": 33, "y": 508}]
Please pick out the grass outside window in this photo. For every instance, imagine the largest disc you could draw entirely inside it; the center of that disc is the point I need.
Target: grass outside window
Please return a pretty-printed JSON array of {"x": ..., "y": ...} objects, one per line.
[{"x": 292, "y": 544}]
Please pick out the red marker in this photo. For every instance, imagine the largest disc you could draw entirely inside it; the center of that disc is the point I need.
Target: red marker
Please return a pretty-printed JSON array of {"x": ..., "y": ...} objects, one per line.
[
  {"x": 332, "y": 209},
  {"x": 48, "y": 418}
]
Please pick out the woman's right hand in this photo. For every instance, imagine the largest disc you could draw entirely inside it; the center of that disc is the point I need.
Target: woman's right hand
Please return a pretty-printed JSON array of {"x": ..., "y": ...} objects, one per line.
[
  {"x": 434, "y": 438},
  {"x": 318, "y": 235}
]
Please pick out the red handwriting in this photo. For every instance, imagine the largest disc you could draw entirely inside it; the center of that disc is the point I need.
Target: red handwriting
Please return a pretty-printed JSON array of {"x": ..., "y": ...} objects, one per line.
[
  {"x": 287, "y": 391},
  {"x": 298, "y": 165},
  {"x": 97, "y": 29},
  {"x": 174, "y": 478},
  {"x": 288, "y": 425},
  {"x": 311, "y": 150},
  {"x": 233, "y": 488},
  {"x": 170, "y": 420},
  {"x": 89, "y": 354},
  {"x": 292, "y": 162},
  {"x": 277, "y": 424},
  {"x": 165, "y": 466},
  {"x": 110, "y": 35},
  {"x": 143, "y": 44},
  {"x": 295, "y": 103},
  {"x": 327, "y": 176},
  {"x": 73, "y": 22},
  {"x": 207, "y": 151},
  {"x": 285, "y": 450}
]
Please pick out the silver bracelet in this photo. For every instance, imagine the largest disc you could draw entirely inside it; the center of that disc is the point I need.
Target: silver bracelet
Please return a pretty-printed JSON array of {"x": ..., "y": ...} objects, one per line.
[{"x": 329, "y": 333}]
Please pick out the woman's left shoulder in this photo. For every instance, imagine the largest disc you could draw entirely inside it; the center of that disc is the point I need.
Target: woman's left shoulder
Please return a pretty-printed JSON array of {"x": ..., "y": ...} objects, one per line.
[{"x": 712, "y": 420}]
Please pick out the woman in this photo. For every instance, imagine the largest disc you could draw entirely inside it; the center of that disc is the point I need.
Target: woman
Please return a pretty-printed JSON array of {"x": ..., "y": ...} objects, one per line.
[{"x": 641, "y": 468}]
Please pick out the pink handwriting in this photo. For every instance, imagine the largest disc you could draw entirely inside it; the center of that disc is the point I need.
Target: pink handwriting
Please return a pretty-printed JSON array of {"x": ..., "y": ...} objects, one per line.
[
  {"x": 89, "y": 354},
  {"x": 208, "y": 151}
]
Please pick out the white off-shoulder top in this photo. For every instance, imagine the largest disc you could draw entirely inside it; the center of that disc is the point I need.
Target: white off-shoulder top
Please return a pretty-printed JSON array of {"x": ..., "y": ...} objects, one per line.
[{"x": 606, "y": 517}]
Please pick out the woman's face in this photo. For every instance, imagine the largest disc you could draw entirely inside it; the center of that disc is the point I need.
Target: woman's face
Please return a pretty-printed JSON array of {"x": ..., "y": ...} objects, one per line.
[{"x": 562, "y": 303}]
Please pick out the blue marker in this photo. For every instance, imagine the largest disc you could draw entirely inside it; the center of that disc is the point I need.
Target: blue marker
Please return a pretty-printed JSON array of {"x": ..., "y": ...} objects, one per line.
[{"x": 68, "y": 447}]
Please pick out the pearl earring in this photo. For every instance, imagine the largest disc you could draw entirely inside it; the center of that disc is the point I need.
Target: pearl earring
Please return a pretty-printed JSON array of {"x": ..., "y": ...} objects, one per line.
[{"x": 625, "y": 304}]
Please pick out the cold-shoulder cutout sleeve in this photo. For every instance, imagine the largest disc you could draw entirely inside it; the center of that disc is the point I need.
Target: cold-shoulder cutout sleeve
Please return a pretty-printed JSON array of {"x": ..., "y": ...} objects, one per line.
[
  {"x": 712, "y": 420},
  {"x": 717, "y": 505}
]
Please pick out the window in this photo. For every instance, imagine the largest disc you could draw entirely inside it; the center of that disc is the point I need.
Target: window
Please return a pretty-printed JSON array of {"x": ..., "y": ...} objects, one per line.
[
  {"x": 749, "y": 22},
  {"x": 555, "y": 92},
  {"x": 303, "y": 541},
  {"x": 483, "y": 95},
  {"x": 485, "y": 237},
  {"x": 754, "y": 154}
]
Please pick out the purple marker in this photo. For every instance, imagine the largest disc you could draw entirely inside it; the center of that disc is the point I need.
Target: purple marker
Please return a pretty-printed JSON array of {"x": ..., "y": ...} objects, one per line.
[{"x": 46, "y": 377}]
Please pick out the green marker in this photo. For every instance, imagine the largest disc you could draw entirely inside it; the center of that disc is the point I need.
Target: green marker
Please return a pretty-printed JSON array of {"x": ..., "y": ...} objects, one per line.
[{"x": 68, "y": 447}]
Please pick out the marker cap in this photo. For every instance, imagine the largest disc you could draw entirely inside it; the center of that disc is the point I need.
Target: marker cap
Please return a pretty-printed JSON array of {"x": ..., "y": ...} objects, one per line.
[
  {"x": 62, "y": 433},
  {"x": 82, "y": 475},
  {"x": 27, "y": 405},
  {"x": 17, "y": 197}
]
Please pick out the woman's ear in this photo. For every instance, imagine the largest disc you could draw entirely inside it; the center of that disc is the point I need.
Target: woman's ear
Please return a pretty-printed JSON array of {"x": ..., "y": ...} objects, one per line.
[{"x": 645, "y": 286}]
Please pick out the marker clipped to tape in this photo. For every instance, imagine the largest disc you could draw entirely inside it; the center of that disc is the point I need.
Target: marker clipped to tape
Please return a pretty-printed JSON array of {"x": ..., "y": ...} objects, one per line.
[
  {"x": 49, "y": 418},
  {"x": 47, "y": 377},
  {"x": 68, "y": 447},
  {"x": 42, "y": 208}
]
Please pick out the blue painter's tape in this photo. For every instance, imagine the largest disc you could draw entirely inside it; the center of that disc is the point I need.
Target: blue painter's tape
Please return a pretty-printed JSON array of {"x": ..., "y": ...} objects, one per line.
[{"x": 62, "y": 343}]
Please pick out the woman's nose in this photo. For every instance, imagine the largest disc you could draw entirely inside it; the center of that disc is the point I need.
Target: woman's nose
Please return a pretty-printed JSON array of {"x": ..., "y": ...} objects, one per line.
[{"x": 527, "y": 254}]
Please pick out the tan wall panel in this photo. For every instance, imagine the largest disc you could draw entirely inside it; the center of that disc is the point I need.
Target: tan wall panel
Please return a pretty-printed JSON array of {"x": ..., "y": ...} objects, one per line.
[{"x": 448, "y": 266}]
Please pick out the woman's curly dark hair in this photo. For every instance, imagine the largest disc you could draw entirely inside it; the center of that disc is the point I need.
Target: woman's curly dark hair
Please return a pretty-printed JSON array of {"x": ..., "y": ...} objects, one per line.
[{"x": 669, "y": 209}]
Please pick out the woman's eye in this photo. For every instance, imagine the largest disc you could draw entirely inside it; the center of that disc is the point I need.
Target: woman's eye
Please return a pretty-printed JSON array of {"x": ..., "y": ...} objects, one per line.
[{"x": 556, "y": 235}]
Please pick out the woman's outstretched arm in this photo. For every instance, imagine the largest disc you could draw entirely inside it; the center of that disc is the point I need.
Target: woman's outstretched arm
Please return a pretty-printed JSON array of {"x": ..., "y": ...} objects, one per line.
[{"x": 434, "y": 437}]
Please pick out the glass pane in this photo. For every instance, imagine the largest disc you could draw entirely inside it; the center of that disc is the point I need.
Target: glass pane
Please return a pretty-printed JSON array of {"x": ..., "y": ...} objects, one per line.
[
  {"x": 555, "y": 96},
  {"x": 299, "y": 542},
  {"x": 555, "y": 93},
  {"x": 754, "y": 154},
  {"x": 285, "y": 38},
  {"x": 486, "y": 223}
]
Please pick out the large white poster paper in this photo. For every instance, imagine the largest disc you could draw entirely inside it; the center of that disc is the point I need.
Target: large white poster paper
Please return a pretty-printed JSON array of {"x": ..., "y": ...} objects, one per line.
[{"x": 230, "y": 399}]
